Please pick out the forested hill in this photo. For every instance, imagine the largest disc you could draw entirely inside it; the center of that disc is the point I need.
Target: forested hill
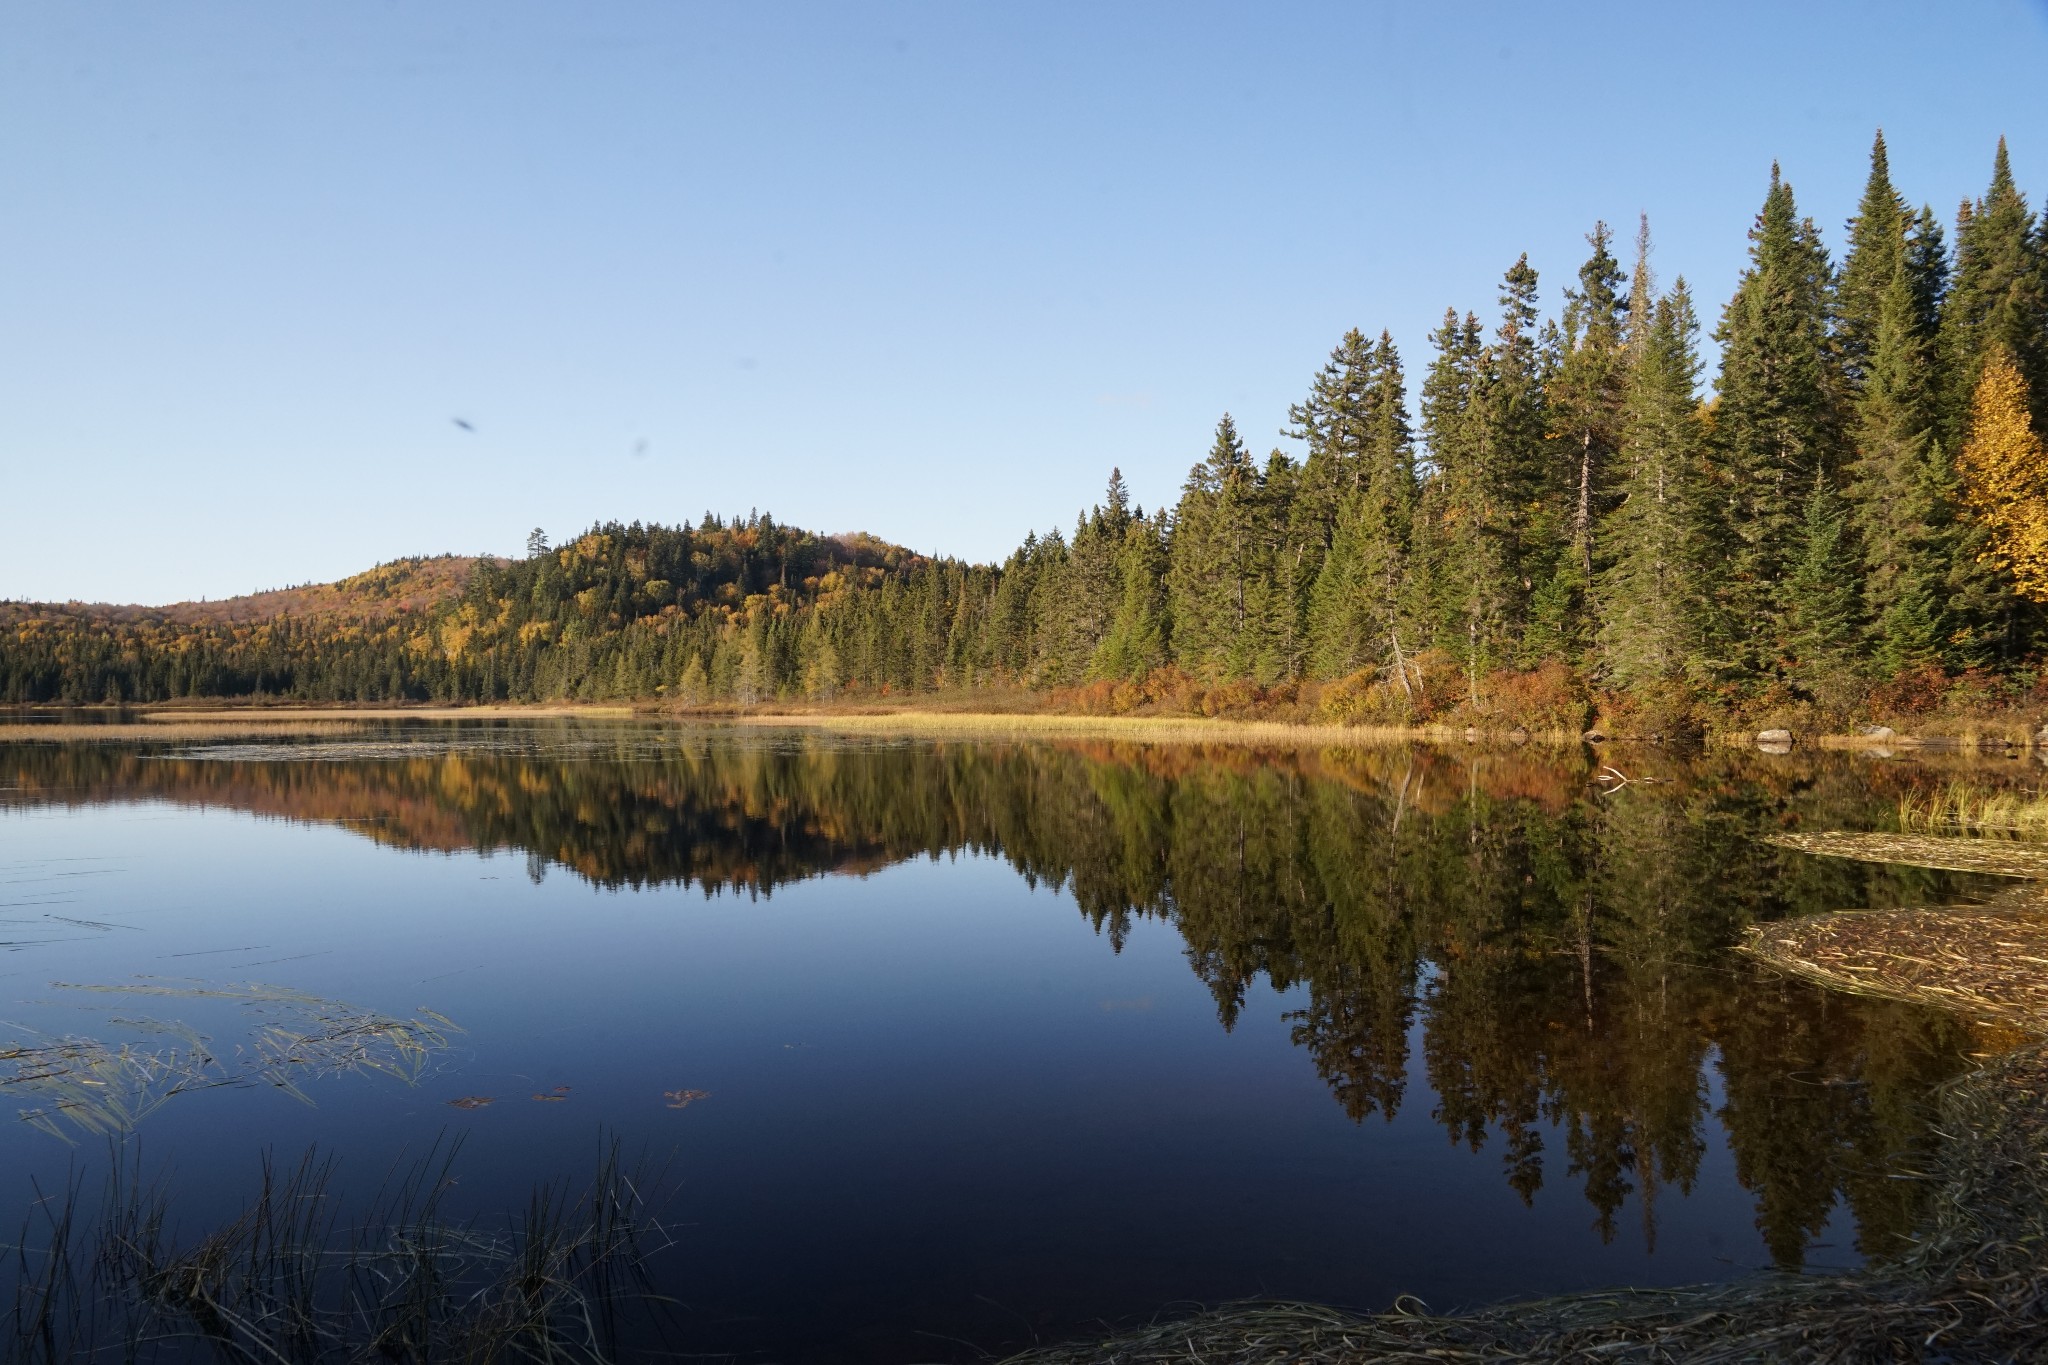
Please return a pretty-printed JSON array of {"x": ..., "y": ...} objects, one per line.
[
  {"x": 604, "y": 615},
  {"x": 1850, "y": 522}
]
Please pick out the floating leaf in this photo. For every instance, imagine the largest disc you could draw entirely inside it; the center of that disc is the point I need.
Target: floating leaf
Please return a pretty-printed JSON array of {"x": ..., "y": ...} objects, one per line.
[
  {"x": 470, "y": 1102},
  {"x": 680, "y": 1099}
]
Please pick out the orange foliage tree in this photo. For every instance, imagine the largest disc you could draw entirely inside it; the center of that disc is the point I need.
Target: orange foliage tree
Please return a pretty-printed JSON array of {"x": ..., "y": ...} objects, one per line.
[{"x": 2005, "y": 475}]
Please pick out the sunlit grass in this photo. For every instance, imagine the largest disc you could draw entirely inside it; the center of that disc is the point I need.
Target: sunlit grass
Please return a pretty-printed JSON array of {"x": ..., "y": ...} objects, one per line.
[
  {"x": 1967, "y": 808},
  {"x": 1156, "y": 729}
]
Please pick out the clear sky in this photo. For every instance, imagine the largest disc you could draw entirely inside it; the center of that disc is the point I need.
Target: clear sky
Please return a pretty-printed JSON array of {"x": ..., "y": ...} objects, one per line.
[{"x": 926, "y": 270}]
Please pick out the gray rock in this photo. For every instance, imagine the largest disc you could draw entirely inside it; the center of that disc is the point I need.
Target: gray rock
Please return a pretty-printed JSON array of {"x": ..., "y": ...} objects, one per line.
[
  {"x": 1774, "y": 737},
  {"x": 1881, "y": 734}
]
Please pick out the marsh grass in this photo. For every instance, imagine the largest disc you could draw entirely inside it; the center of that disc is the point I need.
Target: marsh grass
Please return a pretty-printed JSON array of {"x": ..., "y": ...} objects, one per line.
[
  {"x": 1968, "y": 808},
  {"x": 193, "y": 731},
  {"x": 77, "y": 1086},
  {"x": 293, "y": 1278}
]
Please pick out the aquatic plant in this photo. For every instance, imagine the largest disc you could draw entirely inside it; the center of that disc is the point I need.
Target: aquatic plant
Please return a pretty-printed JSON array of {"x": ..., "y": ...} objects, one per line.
[
  {"x": 92, "y": 1086},
  {"x": 291, "y": 1278}
]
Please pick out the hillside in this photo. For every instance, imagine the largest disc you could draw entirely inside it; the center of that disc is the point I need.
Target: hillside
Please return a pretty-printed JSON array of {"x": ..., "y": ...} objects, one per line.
[{"x": 412, "y": 584}]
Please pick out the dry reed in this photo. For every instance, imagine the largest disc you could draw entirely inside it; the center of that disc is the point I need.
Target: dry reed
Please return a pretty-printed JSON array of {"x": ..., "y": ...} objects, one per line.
[{"x": 1150, "y": 729}]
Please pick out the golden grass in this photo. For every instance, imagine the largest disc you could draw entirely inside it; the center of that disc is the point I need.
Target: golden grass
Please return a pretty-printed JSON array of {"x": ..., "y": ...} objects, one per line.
[
  {"x": 1148, "y": 729},
  {"x": 1965, "y": 807},
  {"x": 175, "y": 714},
  {"x": 252, "y": 727}
]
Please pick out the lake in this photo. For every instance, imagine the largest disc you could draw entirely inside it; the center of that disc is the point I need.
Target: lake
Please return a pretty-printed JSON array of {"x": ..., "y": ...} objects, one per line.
[{"x": 953, "y": 1047}]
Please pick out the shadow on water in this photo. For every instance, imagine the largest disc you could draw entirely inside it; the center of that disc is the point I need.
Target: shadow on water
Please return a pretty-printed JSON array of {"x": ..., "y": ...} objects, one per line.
[{"x": 1553, "y": 961}]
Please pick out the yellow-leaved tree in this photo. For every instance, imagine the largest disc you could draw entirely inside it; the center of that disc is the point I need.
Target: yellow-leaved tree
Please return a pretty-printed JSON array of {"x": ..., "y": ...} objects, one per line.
[{"x": 2004, "y": 472}]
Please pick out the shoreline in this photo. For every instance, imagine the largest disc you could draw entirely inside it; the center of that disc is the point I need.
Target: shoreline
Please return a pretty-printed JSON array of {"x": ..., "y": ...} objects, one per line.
[{"x": 992, "y": 722}]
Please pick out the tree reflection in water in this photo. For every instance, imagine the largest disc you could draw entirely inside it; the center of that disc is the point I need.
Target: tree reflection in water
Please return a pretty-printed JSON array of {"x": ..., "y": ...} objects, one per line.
[{"x": 1563, "y": 955}]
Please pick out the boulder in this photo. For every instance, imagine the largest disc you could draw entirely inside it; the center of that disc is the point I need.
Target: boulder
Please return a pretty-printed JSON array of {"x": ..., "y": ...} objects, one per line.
[
  {"x": 1774, "y": 736},
  {"x": 1518, "y": 736},
  {"x": 1877, "y": 734},
  {"x": 1471, "y": 735},
  {"x": 1594, "y": 737}
]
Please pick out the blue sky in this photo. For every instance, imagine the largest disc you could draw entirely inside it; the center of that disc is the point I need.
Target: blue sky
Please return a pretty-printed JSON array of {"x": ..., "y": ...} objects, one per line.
[{"x": 926, "y": 270}]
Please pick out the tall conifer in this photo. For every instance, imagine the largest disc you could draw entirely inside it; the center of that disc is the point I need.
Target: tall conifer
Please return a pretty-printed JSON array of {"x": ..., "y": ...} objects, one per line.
[{"x": 1777, "y": 424}]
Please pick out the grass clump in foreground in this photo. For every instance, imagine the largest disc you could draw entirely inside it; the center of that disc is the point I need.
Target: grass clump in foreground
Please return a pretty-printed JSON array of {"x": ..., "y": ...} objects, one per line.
[
  {"x": 290, "y": 1280},
  {"x": 1973, "y": 1288}
]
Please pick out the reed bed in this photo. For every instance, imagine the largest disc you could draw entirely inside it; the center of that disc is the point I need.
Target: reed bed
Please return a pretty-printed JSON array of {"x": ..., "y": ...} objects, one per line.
[
  {"x": 1967, "y": 808},
  {"x": 1995, "y": 857},
  {"x": 292, "y": 1279}
]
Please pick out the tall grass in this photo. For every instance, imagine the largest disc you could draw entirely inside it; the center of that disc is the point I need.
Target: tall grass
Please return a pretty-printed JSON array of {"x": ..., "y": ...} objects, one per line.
[
  {"x": 291, "y": 1279},
  {"x": 1151, "y": 729},
  {"x": 1967, "y": 808}
]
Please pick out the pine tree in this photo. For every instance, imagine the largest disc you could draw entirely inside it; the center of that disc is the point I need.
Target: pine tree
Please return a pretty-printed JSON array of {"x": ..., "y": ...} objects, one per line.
[
  {"x": 1653, "y": 587},
  {"x": 1998, "y": 299},
  {"x": 1777, "y": 424},
  {"x": 2004, "y": 470}
]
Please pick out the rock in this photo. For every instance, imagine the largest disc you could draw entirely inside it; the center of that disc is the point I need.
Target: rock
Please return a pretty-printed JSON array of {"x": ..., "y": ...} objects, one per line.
[
  {"x": 1877, "y": 734},
  {"x": 1774, "y": 736},
  {"x": 1518, "y": 736},
  {"x": 2041, "y": 738},
  {"x": 1471, "y": 735},
  {"x": 1594, "y": 737}
]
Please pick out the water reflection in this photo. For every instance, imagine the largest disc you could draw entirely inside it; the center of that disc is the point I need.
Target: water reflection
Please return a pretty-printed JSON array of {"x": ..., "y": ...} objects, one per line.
[{"x": 1554, "y": 958}]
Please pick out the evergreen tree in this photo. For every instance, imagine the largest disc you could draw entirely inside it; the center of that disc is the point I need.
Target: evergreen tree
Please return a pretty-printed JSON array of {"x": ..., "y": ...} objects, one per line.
[
  {"x": 1215, "y": 557},
  {"x": 1823, "y": 611},
  {"x": 1876, "y": 255},
  {"x": 1998, "y": 299},
  {"x": 1777, "y": 425},
  {"x": 1357, "y": 605},
  {"x": 1140, "y": 636},
  {"x": 1653, "y": 588}
]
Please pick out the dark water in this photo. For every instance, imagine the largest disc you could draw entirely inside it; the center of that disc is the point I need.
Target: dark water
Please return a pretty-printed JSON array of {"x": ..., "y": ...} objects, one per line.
[{"x": 1005, "y": 1041}]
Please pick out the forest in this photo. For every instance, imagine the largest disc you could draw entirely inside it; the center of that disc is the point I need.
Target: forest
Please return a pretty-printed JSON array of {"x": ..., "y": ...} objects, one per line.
[{"x": 1558, "y": 520}]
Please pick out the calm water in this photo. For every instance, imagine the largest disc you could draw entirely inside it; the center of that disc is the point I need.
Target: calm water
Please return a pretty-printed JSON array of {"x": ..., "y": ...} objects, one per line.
[{"x": 1003, "y": 1041}]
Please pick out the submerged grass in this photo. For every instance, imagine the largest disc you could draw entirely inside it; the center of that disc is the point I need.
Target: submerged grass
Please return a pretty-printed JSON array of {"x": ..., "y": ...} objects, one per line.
[
  {"x": 292, "y": 1279},
  {"x": 85, "y": 1086}
]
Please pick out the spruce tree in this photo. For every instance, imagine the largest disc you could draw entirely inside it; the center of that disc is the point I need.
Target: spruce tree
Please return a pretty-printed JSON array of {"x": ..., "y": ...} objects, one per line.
[
  {"x": 1777, "y": 424},
  {"x": 1653, "y": 590},
  {"x": 1218, "y": 530},
  {"x": 1823, "y": 613},
  {"x": 1356, "y": 602},
  {"x": 1877, "y": 252},
  {"x": 1139, "y": 637},
  {"x": 1897, "y": 503},
  {"x": 1997, "y": 299}
]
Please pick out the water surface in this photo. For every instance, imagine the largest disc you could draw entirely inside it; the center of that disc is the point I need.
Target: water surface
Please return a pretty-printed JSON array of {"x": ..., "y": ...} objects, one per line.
[{"x": 1001, "y": 1042}]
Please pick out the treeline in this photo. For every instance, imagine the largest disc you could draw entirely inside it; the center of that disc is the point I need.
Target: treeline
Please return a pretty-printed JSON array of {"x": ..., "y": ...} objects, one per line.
[{"x": 1858, "y": 510}]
